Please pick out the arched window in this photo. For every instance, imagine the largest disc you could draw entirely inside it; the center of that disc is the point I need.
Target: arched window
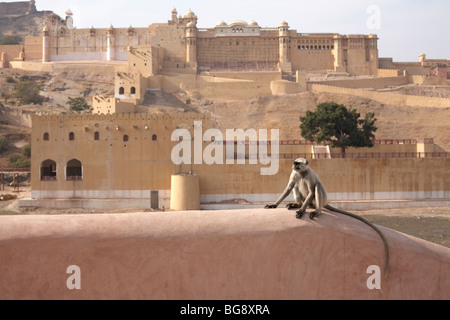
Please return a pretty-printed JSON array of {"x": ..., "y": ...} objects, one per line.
[
  {"x": 97, "y": 136},
  {"x": 126, "y": 138},
  {"x": 121, "y": 90},
  {"x": 48, "y": 170},
  {"x": 133, "y": 90},
  {"x": 46, "y": 136},
  {"x": 71, "y": 136},
  {"x": 74, "y": 170},
  {"x": 154, "y": 137}
]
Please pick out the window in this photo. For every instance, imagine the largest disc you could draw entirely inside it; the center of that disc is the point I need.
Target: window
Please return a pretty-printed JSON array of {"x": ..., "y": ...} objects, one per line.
[
  {"x": 126, "y": 138},
  {"x": 133, "y": 89},
  {"x": 97, "y": 136},
  {"x": 71, "y": 136},
  {"x": 48, "y": 170},
  {"x": 46, "y": 136},
  {"x": 121, "y": 90},
  {"x": 74, "y": 170},
  {"x": 154, "y": 137}
]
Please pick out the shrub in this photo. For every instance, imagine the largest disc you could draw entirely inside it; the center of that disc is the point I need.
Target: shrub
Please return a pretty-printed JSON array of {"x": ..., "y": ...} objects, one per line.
[
  {"x": 78, "y": 104},
  {"x": 28, "y": 92},
  {"x": 27, "y": 151},
  {"x": 18, "y": 161},
  {"x": 10, "y": 40},
  {"x": 3, "y": 144},
  {"x": 10, "y": 80}
]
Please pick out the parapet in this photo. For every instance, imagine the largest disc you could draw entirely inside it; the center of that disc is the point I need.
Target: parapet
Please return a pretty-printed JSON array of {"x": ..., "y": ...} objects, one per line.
[
  {"x": 215, "y": 255},
  {"x": 59, "y": 118}
]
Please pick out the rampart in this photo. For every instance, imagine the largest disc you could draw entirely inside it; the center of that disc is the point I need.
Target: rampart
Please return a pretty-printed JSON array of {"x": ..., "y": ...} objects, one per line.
[
  {"x": 233, "y": 90},
  {"x": 386, "y": 98},
  {"x": 386, "y": 73},
  {"x": 10, "y": 53},
  {"x": 372, "y": 83},
  {"x": 203, "y": 255}
]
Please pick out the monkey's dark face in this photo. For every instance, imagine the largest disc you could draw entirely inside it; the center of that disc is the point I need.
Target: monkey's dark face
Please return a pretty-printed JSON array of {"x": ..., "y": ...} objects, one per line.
[{"x": 300, "y": 165}]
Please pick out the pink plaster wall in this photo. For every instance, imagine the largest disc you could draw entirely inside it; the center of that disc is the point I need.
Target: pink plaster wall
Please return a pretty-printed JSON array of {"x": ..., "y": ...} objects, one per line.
[{"x": 251, "y": 254}]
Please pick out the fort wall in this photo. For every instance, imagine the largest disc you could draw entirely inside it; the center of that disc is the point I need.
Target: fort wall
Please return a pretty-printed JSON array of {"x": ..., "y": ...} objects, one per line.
[
  {"x": 253, "y": 76},
  {"x": 232, "y": 90},
  {"x": 10, "y": 53},
  {"x": 387, "y": 73},
  {"x": 373, "y": 83},
  {"x": 33, "y": 48},
  {"x": 386, "y": 98},
  {"x": 125, "y": 156},
  {"x": 286, "y": 87}
]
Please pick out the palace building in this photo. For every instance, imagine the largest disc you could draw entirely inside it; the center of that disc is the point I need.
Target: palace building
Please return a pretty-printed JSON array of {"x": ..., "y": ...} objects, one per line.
[{"x": 237, "y": 45}]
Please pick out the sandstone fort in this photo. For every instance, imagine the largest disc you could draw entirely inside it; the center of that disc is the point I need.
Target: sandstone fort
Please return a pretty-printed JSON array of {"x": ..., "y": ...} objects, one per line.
[{"x": 122, "y": 150}]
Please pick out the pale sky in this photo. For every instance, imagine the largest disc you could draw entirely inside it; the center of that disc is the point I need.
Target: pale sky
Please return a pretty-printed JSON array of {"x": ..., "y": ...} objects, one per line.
[{"x": 406, "y": 28}]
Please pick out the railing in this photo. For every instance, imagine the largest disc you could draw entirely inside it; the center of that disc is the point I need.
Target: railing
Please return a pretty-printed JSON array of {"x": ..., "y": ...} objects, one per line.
[
  {"x": 362, "y": 155},
  {"x": 48, "y": 178},
  {"x": 14, "y": 170},
  {"x": 308, "y": 143},
  {"x": 366, "y": 155}
]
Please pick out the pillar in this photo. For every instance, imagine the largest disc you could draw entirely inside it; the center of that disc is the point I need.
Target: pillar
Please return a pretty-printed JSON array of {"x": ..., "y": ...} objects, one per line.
[
  {"x": 110, "y": 46},
  {"x": 185, "y": 192},
  {"x": 46, "y": 45},
  {"x": 283, "y": 32},
  {"x": 3, "y": 60},
  {"x": 284, "y": 42},
  {"x": 191, "y": 43},
  {"x": 340, "y": 64}
]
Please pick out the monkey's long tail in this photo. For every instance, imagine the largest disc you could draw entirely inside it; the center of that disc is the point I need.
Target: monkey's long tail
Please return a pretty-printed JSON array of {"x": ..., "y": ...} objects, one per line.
[{"x": 386, "y": 246}]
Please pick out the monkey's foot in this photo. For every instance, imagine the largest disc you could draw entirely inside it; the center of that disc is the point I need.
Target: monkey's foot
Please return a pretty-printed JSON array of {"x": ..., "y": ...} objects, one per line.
[
  {"x": 271, "y": 206},
  {"x": 300, "y": 214},
  {"x": 313, "y": 215},
  {"x": 293, "y": 206}
]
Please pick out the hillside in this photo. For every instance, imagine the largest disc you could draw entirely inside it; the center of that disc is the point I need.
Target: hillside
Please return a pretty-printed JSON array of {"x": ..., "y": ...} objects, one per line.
[
  {"x": 56, "y": 89},
  {"x": 283, "y": 112},
  {"x": 276, "y": 112},
  {"x": 23, "y": 25}
]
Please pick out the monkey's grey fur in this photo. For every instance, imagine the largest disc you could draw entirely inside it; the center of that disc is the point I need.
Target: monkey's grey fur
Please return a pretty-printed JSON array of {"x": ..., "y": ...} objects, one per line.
[{"x": 309, "y": 192}]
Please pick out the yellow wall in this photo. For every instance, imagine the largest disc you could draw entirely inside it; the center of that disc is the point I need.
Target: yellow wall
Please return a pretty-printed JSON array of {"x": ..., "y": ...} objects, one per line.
[{"x": 114, "y": 168}]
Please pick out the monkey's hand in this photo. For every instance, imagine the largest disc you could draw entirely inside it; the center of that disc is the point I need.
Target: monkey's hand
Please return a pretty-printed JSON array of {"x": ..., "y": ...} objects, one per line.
[
  {"x": 293, "y": 206},
  {"x": 271, "y": 206}
]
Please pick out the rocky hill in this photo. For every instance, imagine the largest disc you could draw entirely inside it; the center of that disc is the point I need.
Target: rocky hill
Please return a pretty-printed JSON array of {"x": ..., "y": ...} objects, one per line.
[
  {"x": 276, "y": 112},
  {"x": 23, "y": 25}
]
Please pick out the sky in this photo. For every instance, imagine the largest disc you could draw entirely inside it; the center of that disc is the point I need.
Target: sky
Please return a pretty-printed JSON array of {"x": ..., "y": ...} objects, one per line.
[{"x": 406, "y": 28}]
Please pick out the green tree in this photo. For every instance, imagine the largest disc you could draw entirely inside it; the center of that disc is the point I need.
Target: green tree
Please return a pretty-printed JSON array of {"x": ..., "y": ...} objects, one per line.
[
  {"x": 339, "y": 126},
  {"x": 78, "y": 104},
  {"x": 28, "y": 92},
  {"x": 10, "y": 40}
]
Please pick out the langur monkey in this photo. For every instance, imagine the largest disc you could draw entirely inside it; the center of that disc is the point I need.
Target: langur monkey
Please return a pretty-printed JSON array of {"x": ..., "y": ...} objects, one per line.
[{"x": 309, "y": 192}]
